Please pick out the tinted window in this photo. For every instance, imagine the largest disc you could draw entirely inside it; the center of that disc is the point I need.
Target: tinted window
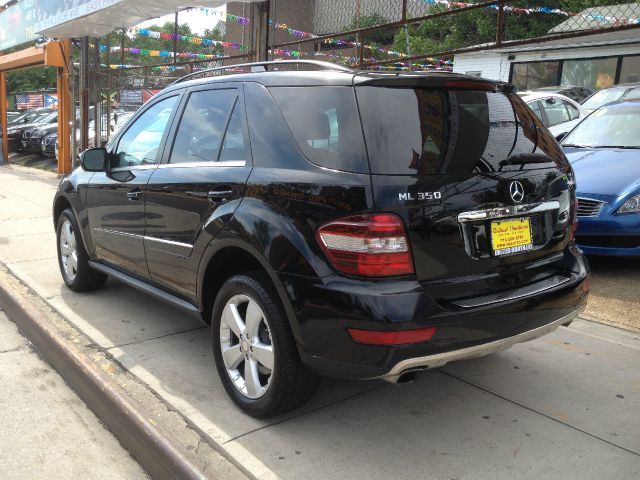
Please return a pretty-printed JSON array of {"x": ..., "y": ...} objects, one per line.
[
  {"x": 630, "y": 71},
  {"x": 234, "y": 144},
  {"x": 594, "y": 73},
  {"x": 202, "y": 126},
  {"x": 535, "y": 75},
  {"x": 325, "y": 124},
  {"x": 141, "y": 142},
  {"x": 419, "y": 131}
]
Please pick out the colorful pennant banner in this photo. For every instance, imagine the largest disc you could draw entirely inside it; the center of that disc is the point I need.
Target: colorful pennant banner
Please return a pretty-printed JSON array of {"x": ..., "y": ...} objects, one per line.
[
  {"x": 222, "y": 15},
  {"x": 145, "y": 32},
  {"x": 163, "y": 53}
]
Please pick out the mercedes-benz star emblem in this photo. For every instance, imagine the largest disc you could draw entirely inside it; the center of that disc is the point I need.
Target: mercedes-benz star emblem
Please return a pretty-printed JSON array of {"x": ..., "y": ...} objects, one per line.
[{"x": 517, "y": 191}]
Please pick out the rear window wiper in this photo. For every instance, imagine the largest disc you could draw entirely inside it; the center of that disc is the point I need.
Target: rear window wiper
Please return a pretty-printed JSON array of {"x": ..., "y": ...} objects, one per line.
[{"x": 574, "y": 145}]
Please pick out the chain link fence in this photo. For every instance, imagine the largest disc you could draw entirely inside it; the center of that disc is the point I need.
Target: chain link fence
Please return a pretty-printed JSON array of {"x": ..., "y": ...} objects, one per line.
[{"x": 370, "y": 34}]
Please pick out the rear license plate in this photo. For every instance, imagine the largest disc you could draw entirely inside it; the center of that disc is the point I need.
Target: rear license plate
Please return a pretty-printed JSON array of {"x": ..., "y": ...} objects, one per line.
[
  {"x": 44, "y": 148},
  {"x": 24, "y": 144},
  {"x": 511, "y": 236}
]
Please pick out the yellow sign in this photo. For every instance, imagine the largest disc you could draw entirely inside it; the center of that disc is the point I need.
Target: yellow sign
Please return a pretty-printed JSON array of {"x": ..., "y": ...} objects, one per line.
[{"x": 511, "y": 236}]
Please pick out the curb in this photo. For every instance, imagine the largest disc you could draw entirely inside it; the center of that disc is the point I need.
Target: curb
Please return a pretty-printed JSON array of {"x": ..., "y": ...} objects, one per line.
[{"x": 152, "y": 448}]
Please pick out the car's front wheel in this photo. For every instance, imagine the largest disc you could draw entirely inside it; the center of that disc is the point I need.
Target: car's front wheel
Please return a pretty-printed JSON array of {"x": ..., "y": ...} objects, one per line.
[
  {"x": 254, "y": 349},
  {"x": 73, "y": 258}
]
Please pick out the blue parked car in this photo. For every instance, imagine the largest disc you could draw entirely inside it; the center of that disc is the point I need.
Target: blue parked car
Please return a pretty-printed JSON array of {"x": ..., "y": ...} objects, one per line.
[{"x": 604, "y": 151}]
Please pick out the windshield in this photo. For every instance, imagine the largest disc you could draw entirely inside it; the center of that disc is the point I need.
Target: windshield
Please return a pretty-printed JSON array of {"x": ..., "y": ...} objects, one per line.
[
  {"x": 49, "y": 117},
  {"x": 603, "y": 97},
  {"x": 614, "y": 126},
  {"x": 19, "y": 117}
]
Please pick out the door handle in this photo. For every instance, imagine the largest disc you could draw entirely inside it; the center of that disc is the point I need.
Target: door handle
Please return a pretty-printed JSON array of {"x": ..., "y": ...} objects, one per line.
[
  {"x": 134, "y": 194},
  {"x": 219, "y": 196}
]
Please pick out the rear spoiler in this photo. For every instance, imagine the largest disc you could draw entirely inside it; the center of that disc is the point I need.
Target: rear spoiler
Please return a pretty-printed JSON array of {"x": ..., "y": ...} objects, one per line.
[{"x": 459, "y": 82}]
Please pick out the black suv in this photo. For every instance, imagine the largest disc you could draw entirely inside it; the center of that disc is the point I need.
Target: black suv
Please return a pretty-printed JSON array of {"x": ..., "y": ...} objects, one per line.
[{"x": 332, "y": 222}]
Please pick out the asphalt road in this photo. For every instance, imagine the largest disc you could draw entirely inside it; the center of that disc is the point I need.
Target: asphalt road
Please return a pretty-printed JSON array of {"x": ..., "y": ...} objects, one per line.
[{"x": 563, "y": 406}]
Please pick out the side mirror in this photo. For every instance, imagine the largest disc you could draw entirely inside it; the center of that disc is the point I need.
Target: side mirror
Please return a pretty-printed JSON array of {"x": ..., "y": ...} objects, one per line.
[
  {"x": 561, "y": 136},
  {"x": 94, "y": 159}
]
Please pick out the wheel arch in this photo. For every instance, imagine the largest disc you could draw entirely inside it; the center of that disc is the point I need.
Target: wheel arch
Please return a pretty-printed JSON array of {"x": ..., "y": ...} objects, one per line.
[{"x": 226, "y": 257}]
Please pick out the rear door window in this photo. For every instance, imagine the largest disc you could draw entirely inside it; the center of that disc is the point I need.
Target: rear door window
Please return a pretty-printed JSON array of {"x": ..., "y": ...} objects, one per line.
[
  {"x": 421, "y": 131},
  {"x": 325, "y": 125},
  {"x": 202, "y": 126}
]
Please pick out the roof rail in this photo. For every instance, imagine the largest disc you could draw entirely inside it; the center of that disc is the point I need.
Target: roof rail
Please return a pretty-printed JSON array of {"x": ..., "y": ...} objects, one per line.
[{"x": 317, "y": 63}]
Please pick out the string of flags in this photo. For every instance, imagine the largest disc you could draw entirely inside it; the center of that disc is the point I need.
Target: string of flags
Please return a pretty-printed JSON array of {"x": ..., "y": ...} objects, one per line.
[
  {"x": 163, "y": 53},
  {"x": 544, "y": 10},
  {"x": 145, "y": 32},
  {"x": 222, "y": 15}
]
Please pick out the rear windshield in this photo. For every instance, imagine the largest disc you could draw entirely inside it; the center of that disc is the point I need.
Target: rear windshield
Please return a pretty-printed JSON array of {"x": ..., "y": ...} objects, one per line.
[
  {"x": 325, "y": 124},
  {"x": 419, "y": 131}
]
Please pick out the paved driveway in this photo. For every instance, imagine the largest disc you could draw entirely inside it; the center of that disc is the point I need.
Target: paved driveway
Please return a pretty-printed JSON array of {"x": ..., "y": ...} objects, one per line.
[{"x": 563, "y": 406}]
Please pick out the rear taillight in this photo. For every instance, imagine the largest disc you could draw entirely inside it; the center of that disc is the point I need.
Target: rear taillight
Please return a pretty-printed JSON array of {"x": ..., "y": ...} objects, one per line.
[{"x": 368, "y": 245}]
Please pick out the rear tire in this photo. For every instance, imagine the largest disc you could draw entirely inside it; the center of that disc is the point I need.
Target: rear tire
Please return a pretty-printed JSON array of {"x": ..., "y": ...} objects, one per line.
[
  {"x": 73, "y": 258},
  {"x": 260, "y": 368}
]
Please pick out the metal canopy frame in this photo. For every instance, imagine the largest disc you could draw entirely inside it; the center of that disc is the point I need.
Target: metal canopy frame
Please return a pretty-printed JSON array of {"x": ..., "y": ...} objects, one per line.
[{"x": 51, "y": 54}]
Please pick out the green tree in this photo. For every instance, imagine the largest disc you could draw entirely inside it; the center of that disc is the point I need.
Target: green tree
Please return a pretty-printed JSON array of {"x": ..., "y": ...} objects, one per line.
[
  {"x": 479, "y": 26},
  {"x": 36, "y": 78}
]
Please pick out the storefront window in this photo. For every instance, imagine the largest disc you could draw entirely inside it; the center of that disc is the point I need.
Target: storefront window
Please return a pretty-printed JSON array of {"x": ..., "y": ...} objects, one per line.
[
  {"x": 594, "y": 73},
  {"x": 535, "y": 75},
  {"x": 630, "y": 72}
]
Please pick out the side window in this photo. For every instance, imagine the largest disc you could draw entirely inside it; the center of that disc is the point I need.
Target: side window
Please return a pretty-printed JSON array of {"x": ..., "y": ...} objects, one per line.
[
  {"x": 202, "y": 126},
  {"x": 234, "y": 145},
  {"x": 573, "y": 111},
  {"x": 535, "y": 107},
  {"x": 140, "y": 143},
  {"x": 556, "y": 111}
]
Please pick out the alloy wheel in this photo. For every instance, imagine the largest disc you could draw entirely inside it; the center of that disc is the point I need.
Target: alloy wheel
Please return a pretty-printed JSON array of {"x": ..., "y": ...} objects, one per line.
[
  {"x": 246, "y": 345},
  {"x": 68, "y": 251}
]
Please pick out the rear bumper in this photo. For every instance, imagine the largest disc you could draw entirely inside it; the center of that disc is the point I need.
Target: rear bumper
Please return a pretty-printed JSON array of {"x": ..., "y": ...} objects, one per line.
[
  {"x": 440, "y": 359},
  {"x": 325, "y": 308}
]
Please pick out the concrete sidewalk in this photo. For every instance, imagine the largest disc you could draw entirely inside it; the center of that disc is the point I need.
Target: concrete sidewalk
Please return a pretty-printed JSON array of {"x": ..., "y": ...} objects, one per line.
[
  {"x": 46, "y": 430},
  {"x": 563, "y": 406}
]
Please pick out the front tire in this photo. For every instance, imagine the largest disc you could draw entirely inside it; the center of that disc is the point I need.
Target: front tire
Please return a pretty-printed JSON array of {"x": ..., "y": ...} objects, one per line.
[
  {"x": 254, "y": 349},
  {"x": 73, "y": 258}
]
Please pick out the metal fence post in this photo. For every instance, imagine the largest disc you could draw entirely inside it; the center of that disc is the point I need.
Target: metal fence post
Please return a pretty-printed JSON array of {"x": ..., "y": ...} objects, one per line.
[{"x": 500, "y": 23}]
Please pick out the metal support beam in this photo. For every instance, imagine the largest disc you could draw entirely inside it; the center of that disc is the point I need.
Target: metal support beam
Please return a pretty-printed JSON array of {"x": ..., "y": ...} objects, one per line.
[
  {"x": 260, "y": 33},
  {"x": 175, "y": 39},
  {"x": 4, "y": 101},
  {"x": 84, "y": 93},
  {"x": 65, "y": 107}
]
